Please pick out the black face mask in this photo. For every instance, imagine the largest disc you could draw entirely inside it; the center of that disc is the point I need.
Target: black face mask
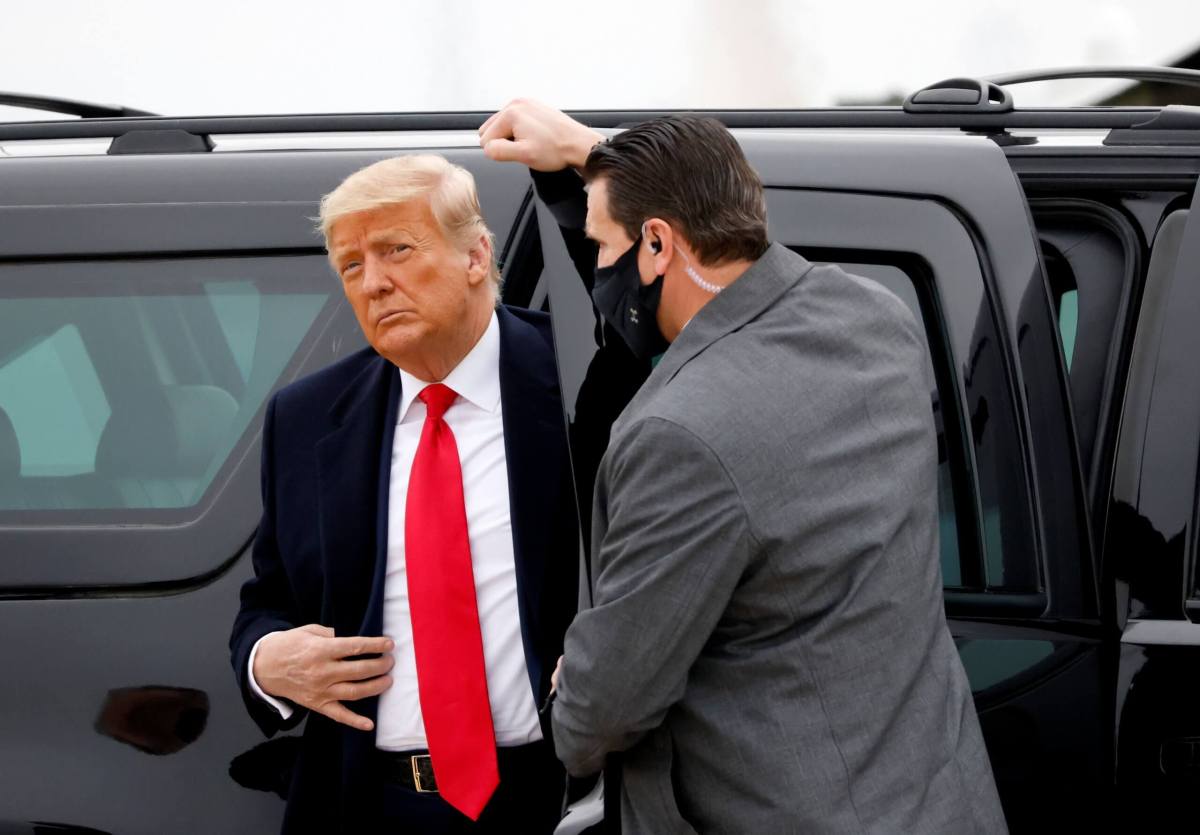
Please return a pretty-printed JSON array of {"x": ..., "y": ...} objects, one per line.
[{"x": 630, "y": 306}]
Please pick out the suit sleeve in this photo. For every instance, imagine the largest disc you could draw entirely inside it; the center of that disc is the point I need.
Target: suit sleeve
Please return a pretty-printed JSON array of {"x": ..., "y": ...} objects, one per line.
[
  {"x": 562, "y": 193},
  {"x": 676, "y": 546},
  {"x": 267, "y": 603}
]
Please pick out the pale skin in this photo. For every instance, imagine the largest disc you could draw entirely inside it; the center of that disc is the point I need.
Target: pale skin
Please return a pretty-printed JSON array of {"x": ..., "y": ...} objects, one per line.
[
  {"x": 545, "y": 139},
  {"x": 422, "y": 303}
]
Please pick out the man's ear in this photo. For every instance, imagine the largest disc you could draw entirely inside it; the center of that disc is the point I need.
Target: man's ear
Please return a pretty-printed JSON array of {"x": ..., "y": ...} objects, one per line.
[
  {"x": 479, "y": 266},
  {"x": 658, "y": 236}
]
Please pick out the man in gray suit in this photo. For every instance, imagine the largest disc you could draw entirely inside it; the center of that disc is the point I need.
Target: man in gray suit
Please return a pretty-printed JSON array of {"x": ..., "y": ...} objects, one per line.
[{"x": 767, "y": 643}]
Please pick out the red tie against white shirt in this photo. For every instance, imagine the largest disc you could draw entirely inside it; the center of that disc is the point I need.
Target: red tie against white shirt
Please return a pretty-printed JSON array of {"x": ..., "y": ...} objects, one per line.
[{"x": 447, "y": 642}]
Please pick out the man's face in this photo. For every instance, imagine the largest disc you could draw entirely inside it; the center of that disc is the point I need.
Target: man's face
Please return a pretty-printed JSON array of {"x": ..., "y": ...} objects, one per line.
[
  {"x": 613, "y": 242},
  {"x": 608, "y": 235},
  {"x": 411, "y": 288}
]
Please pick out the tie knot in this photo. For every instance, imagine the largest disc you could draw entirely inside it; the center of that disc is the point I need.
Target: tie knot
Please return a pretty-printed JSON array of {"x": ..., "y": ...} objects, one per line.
[{"x": 437, "y": 399}]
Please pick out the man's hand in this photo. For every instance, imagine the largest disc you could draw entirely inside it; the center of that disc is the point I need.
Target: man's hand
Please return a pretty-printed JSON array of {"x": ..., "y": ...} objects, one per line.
[
  {"x": 307, "y": 665},
  {"x": 554, "y": 675},
  {"x": 536, "y": 135}
]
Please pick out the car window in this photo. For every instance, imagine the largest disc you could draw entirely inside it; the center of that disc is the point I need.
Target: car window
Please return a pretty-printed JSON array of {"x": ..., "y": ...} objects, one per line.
[
  {"x": 1090, "y": 254},
  {"x": 126, "y": 385},
  {"x": 992, "y": 661},
  {"x": 1068, "y": 323},
  {"x": 55, "y": 405}
]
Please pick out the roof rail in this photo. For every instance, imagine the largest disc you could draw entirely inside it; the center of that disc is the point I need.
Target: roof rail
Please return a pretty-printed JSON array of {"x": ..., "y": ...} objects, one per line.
[
  {"x": 70, "y": 107},
  {"x": 1163, "y": 75},
  {"x": 1174, "y": 125},
  {"x": 960, "y": 95},
  {"x": 160, "y": 142},
  {"x": 1093, "y": 118}
]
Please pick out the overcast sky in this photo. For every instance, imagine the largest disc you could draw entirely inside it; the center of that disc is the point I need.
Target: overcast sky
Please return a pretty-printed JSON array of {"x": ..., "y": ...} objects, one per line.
[{"x": 268, "y": 56}]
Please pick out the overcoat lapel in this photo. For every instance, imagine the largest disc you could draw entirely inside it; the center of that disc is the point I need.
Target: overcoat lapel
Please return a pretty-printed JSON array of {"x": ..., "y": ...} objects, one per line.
[{"x": 353, "y": 470}]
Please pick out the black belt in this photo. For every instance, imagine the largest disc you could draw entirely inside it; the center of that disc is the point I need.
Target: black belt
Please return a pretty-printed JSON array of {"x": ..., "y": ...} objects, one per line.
[
  {"x": 411, "y": 769},
  {"x": 414, "y": 769}
]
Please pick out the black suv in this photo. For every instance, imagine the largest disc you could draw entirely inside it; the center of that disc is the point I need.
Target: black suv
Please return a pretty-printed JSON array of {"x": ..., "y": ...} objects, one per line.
[{"x": 160, "y": 277}]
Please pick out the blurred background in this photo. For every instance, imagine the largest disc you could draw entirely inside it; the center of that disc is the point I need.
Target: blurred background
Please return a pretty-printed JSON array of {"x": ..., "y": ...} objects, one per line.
[{"x": 271, "y": 56}]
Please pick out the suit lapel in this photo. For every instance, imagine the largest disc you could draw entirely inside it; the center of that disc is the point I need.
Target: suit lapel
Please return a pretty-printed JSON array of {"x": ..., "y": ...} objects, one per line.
[
  {"x": 372, "y": 622},
  {"x": 354, "y": 470},
  {"x": 534, "y": 441},
  {"x": 352, "y": 488}
]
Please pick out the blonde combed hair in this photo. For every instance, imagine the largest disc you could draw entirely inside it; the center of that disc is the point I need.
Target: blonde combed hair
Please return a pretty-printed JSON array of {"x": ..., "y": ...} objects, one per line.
[{"x": 450, "y": 188}]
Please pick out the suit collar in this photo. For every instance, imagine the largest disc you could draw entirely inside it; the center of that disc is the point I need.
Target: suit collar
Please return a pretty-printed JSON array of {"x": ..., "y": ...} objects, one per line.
[
  {"x": 351, "y": 487},
  {"x": 361, "y": 390},
  {"x": 768, "y": 278}
]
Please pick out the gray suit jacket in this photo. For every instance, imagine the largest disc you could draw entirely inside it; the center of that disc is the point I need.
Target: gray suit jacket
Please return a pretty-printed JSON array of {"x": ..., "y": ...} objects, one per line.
[{"x": 767, "y": 642}]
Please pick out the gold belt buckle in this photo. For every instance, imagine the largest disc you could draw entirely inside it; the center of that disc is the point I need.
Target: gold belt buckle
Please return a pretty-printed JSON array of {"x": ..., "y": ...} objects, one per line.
[{"x": 423, "y": 779}]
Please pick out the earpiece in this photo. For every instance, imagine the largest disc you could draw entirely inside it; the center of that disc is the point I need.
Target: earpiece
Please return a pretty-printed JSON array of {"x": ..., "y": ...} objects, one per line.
[{"x": 656, "y": 247}]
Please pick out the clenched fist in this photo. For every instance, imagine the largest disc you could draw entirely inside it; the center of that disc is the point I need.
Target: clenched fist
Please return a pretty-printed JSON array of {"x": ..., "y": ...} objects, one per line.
[{"x": 536, "y": 135}]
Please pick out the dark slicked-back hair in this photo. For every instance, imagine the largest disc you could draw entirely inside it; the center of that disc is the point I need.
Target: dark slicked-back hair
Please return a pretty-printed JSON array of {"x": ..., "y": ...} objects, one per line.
[{"x": 691, "y": 172}]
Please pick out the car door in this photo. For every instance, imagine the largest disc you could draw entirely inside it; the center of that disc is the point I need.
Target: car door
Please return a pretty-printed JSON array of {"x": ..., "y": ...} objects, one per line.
[
  {"x": 1151, "y": 545},
  {"x": 941, "y": 221}
]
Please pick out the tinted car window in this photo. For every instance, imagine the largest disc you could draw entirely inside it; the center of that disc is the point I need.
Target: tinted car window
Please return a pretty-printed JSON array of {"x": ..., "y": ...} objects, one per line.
[
  {"x": 127, "y": 384},
  {"x": 55, "y": 406},
  {"x": 1091, "y": 257}
]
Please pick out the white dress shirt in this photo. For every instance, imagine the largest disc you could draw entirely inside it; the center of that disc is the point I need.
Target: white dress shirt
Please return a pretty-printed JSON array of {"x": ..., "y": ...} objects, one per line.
[{"x": 476, "y": 420}]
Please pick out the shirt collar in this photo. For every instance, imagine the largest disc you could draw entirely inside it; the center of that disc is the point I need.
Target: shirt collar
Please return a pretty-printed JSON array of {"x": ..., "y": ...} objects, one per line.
[{"x": 476, "y": 378}]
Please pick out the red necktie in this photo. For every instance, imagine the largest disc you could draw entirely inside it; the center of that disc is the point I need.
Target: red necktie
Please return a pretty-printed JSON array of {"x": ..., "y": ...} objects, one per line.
[{"x": 451, "y": 677}]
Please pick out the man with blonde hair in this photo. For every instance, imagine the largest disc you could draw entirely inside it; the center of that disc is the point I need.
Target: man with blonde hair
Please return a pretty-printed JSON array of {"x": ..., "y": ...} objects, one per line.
[{"x": 417, "y": 555}]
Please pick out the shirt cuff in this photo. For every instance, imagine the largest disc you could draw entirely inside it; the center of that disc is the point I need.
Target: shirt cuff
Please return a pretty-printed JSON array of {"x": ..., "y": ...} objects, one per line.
[{"x": 284, "y": 710}]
